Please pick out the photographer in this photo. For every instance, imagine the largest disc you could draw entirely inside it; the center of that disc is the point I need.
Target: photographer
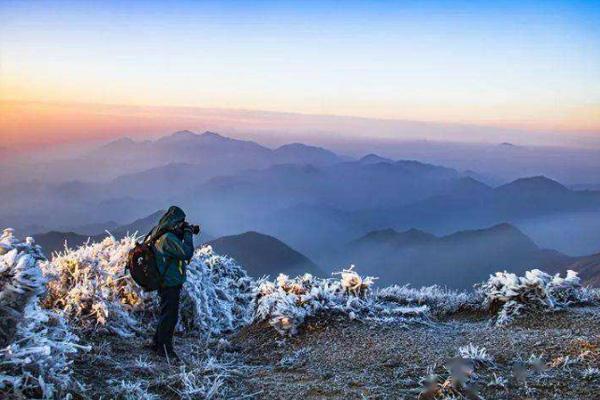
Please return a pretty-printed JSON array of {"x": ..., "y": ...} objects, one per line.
[{"x": 173, "y": 249}]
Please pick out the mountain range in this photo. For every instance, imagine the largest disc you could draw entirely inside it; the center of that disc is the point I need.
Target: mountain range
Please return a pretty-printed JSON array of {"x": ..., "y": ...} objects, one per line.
[
  {"x": 308, "y": 197},
  {"x": 458, "y": 260}
]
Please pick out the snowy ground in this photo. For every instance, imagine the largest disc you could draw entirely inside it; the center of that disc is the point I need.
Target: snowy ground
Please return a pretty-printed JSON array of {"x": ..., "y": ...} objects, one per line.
[{"x": 552, "y": 357}]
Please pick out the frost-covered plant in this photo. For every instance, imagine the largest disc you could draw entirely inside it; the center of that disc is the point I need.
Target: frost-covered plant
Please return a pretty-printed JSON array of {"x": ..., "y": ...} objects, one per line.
[
  {"x": 132, "y": 390},
  {"x": 591, "y": 374},
  {"x": 217, "y": 296},
  {"x": 565, "y": 291},
  {"x": 441, "y": 301},
  {"x": 354, "y": 284},
  {"x": 36, "y": 359},
  {"x": 476, "y": 354},
  {"x": 454, "y": 384},
  {"x": 589, "y": 295},
  {"x": 508, "y": 295},
  {"x": 537, "y": 362},
  {"x": 203, "y": 378},
  {"x": 20, "y": 280},
  {"x": 92, "y": 289},
  {"x": 143, "y": 364},
  {"x": 294, "y": 360},
  {"x": 498, "y": 381},
  {"x": 286, "y": 302}
]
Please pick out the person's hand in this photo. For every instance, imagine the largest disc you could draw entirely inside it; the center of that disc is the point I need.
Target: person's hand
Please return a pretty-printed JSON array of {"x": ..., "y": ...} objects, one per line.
[{"x": 193, "y": 229}]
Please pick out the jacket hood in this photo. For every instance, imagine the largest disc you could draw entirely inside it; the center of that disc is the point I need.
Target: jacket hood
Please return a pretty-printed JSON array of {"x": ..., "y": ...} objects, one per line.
[{"x": 173, "y": 217}]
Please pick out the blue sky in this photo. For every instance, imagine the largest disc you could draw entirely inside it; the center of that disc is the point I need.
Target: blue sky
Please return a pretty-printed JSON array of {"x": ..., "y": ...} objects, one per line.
[{"x": 533, "y": 65}]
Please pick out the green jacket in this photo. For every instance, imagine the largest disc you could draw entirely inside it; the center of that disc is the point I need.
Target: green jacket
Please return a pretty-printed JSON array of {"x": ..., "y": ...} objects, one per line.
[{"x": 172, "y": 254}]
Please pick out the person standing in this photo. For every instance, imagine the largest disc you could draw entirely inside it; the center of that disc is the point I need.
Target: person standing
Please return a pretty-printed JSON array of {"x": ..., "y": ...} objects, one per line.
[{"x": 173, "y": 248}]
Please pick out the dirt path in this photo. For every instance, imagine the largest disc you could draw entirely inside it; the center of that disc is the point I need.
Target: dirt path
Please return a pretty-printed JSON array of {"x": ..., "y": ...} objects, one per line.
[{"x": 352, "y": 360}]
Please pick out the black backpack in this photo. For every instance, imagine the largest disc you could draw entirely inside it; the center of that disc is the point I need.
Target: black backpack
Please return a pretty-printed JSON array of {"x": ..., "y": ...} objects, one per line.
[{"x": 141, "y": 263}]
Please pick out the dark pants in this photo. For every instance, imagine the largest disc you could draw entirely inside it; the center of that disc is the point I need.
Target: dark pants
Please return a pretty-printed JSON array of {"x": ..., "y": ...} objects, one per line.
[{"x": 169, "y": 313}]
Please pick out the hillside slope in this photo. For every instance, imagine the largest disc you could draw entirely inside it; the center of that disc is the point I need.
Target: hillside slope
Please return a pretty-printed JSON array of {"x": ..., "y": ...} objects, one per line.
[{"x": 264, "y": 255}]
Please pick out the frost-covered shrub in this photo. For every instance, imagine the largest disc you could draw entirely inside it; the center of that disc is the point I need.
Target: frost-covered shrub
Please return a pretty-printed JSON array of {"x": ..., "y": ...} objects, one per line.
[
  {"x": 441, "y": 301},
  {"x": 286, "y": 303},
  {"x": 36, "y": 359},
  {"x": 217, "y": 296},
  {"x": 20, "y": 280},
  {"x": 589, "y": 295},
  {"x": 92, "y": 289},
  {"x": 564, "y": 291},
  {"x": 508, "y": 295}
]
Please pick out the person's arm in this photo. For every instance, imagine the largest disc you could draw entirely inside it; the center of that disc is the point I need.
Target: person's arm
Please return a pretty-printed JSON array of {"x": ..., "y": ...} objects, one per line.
[{"x": 179, "y": 249}]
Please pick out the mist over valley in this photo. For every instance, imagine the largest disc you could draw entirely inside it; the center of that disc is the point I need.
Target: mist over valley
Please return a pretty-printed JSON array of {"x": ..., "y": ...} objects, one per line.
[{"x": 328, "y": 206}]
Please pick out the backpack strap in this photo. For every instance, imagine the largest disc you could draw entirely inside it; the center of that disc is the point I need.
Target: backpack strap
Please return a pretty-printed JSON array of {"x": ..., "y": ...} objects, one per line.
[{"x": 153, "y": 239}]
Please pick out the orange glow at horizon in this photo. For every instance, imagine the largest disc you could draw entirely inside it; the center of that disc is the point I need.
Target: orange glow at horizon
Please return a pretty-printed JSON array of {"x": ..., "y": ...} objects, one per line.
[{"x": 44, "y": 123}]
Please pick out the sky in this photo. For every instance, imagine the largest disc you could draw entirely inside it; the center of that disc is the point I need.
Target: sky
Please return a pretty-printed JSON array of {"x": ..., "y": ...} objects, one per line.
[{"x": 532, "y": 66}]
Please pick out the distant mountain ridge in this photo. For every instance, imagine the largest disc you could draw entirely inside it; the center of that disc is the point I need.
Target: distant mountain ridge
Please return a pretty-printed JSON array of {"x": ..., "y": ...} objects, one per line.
[
  {"x": 537, "y": 185},
  {"x": 264, "y": 255},
  {"x": 468, "y": 200},
  {"x": 374, "y": 159},
  {"x": 458, "y": 260},
  {"x": 193, "y": 148}
]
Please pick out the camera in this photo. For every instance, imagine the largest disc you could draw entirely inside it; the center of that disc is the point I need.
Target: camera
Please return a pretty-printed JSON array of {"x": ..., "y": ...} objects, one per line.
[
  {"x": 195, "y": 228},
  {"x": 180, "y": 228}
]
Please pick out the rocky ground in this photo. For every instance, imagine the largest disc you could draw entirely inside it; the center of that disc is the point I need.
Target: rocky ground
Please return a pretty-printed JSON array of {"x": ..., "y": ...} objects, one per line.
[{"x": 550, "y": 356}]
